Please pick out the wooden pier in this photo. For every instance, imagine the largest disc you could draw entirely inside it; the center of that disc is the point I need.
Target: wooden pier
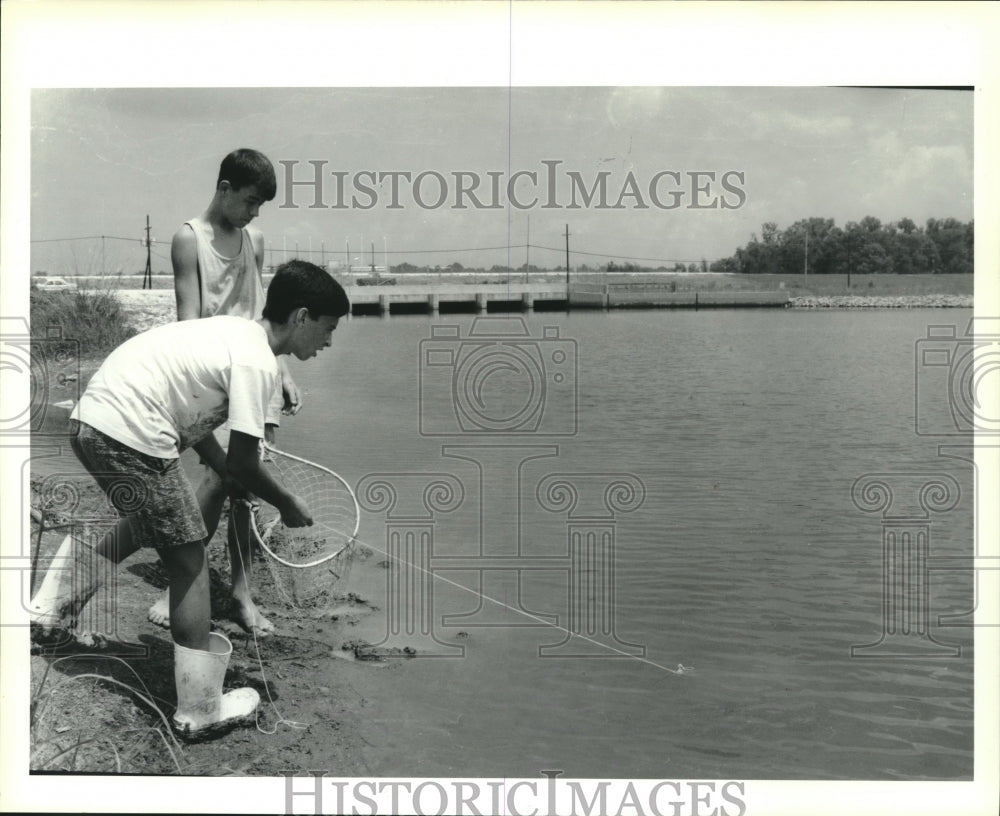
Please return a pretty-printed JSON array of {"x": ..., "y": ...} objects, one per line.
[
  {"x": 464, "y": 295},
  {"x": 486, "y": 297}
]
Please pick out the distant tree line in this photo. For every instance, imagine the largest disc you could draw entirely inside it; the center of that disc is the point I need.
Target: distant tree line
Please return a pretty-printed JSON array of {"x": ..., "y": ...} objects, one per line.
[{"x": 868, "y": 247}]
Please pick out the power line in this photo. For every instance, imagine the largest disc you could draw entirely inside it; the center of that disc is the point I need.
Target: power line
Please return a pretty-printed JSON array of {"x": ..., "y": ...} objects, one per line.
[
  {"x": 615, "y": 256},
  {"x": 86, "y": 238},
  {"x": 414, "y": 251},
  {"x": 436, "y": 251}
]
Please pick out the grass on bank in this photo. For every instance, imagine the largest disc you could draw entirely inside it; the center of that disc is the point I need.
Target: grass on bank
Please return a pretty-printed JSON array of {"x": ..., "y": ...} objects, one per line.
[{"x": 96, "y": 319}]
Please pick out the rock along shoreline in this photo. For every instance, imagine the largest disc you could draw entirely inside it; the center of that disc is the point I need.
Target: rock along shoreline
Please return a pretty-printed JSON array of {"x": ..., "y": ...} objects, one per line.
[{"x": 881, "y": 302}]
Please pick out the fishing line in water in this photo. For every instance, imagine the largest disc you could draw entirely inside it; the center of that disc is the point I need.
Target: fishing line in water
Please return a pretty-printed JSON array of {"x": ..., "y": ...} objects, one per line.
[{"x": 681, "y": 669}]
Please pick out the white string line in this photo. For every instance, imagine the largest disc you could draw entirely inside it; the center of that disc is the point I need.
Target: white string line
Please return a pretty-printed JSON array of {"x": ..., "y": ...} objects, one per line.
[
  {"x": 253, "y": 631},
  {"x": 681, "y": 668}
]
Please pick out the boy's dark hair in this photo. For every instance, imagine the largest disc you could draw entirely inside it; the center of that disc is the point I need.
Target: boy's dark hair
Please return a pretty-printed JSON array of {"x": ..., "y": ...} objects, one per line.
[
  {"x": 300, "y": 283},
  {"x": 244, "y": 167}
]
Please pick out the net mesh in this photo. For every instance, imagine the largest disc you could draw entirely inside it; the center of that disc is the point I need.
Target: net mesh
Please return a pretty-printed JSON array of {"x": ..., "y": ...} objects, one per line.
[{"x": 318, "y": 557}]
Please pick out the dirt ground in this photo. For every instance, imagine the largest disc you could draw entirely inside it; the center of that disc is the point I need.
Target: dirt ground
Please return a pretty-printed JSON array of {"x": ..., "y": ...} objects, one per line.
[{"x": 105, "y": 707}]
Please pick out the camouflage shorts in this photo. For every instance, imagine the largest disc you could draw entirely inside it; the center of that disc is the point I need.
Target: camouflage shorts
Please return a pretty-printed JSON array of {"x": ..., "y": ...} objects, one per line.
[{"x": 153, "y": 494}]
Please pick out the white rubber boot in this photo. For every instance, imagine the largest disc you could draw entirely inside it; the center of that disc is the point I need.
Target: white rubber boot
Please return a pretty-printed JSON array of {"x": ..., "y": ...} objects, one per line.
[
  {"x": 203, "y": 711},
  {"x": 75, "y": 574}
]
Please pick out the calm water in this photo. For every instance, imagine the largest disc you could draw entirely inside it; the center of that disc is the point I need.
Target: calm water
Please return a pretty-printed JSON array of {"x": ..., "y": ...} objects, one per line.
[{"x": 747, "y": 561}]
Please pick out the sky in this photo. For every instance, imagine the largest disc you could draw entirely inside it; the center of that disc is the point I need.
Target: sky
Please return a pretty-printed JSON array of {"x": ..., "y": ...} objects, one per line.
[{"x": 721, "y": 161}]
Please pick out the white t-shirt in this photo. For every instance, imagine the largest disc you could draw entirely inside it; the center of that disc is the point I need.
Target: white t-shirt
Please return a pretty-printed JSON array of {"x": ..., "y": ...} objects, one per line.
[{"x": 167, "y": 388}]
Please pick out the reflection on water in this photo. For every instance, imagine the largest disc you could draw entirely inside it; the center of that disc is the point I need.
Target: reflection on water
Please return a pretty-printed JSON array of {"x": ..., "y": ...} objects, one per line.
[{"x": 734, "y": 546}]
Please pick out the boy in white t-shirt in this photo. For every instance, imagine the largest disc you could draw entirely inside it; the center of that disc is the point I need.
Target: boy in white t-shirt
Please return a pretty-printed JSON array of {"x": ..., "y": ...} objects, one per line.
[
  {"x": 217, "y": 261},
  {"x": 157, "y": 394}
]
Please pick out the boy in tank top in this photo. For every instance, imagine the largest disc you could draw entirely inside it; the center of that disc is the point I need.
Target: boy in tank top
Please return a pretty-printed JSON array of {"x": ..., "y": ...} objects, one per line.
[{"x": 217, "y": 265}]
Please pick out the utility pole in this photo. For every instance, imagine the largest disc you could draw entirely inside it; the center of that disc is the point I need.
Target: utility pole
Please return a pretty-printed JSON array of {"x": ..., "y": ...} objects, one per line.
[
  {"x": 806, "y": 268},
  {"x": 567, "y": 267},
  {"x": 147, "y": 280},
  {"x": 848, "y": 260},
  {"x": 527, "y": 252}
]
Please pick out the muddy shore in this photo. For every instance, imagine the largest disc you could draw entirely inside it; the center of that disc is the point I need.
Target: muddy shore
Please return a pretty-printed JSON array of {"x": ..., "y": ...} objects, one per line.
[{"x": 102, "y": 705}]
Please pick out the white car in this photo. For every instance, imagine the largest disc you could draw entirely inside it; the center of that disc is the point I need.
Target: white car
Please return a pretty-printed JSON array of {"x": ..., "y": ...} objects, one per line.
[{"x": 53, "y": 284}]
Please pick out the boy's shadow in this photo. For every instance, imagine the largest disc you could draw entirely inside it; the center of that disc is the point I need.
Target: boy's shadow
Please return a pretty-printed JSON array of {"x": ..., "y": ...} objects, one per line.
[{"x": 145, "y": 668}]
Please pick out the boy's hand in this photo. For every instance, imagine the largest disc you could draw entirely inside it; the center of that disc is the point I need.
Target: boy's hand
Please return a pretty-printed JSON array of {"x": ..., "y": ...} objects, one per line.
[
  {"x": 296, "y": 514},
  {"x": 289, "y": 390},
  {"x": 293, "y": 402}
]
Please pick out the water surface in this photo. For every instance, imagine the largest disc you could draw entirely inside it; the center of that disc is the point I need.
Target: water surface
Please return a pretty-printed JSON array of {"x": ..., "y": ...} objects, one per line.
[{"x": 747, "y": 561}]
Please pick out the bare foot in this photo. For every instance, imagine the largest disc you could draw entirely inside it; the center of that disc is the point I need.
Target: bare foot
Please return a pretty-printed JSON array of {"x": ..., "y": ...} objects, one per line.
[
  {"x": 247, "y": 615},
  {"x": 159, "y": 612}
]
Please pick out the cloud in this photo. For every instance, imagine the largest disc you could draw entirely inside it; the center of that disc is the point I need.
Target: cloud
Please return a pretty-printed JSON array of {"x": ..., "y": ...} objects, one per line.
[{"x": 789, "y": 125}]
